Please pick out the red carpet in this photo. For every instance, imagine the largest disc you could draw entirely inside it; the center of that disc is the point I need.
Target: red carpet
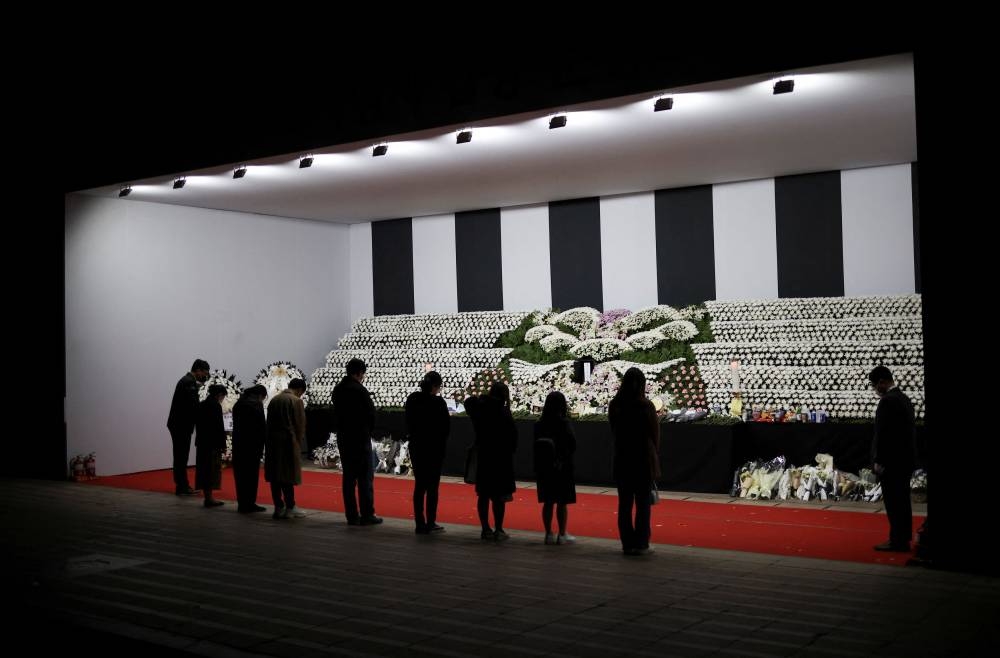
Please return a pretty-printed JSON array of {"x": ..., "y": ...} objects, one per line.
[{"x": 833, "y": 535}]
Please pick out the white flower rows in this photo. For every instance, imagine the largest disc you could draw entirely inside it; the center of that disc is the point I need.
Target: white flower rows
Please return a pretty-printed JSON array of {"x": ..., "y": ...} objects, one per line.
[
  {"x": 830, "y": 329},
  {"x": 498, "y": 321},
  {"x": 529, "y": 392},
  {"x": 839, "y": 404},
  {"x": 600, "y": 349},
  {"x": 811, "y": 378},
  {"x": 440, "y": 358},
  {"x": 811, "y": 353},
  {"x": 419, "y": 339},
  {"x": 806, "y": 308},
  {"x": 650, "y": 370},
  {"x": 523, "y": 372}
]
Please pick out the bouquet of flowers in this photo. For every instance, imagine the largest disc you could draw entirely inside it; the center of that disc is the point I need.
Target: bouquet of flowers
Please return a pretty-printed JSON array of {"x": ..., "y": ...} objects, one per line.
[
  {"x": 327, "y": 456},
  {"x": 276, "y": 377},
  {"x": 234, "y": 388}
]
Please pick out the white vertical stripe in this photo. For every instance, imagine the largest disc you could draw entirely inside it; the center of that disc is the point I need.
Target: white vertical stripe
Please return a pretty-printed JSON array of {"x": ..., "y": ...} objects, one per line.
[
  {"x": 435, "y": 281},
  {"x": 524, "y": 254},
  {"x": 746, "y": 248},
  {"x": 628, "y": 251},
  {"x": 877, "y": 211},
  {"x": 362, "y": 287}
]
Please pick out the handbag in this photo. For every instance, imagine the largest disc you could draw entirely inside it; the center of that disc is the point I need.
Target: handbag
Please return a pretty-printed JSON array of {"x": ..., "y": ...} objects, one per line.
[{"x": 471, "y": 464}]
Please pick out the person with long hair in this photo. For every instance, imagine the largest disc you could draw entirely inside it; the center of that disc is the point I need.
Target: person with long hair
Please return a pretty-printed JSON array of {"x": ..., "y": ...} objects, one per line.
[
  {"x": 427, "y": 425},
  {"x": 554, "y": 448},
  {"x": 637, "y": 464},
  {"x": 496, "y": 442}
]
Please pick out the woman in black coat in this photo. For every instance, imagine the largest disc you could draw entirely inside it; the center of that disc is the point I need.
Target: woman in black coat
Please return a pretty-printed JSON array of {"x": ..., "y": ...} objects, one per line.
[
  {"x": 210, "y": 443},
  {"x": 427, "y": 425},
  {"x": 496, "y": 442},
  {"x": 249, "y": 431},
  {"x": 637, "y": 465},
  {"x": 554, "y": 448}
]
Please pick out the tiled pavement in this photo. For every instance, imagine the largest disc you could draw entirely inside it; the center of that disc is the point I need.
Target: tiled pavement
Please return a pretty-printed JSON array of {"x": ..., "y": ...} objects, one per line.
[{"x": 136, "y": 572}]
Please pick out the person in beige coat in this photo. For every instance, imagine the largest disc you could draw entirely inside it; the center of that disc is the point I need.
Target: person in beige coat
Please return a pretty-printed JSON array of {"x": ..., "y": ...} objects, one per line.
[{"x": 286, "y": 432}]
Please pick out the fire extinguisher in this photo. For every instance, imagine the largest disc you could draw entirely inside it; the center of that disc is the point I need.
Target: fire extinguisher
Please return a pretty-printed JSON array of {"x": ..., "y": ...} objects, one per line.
[
  {"x": 76, "y": 464},
  {"x": 90, "y": 466}
]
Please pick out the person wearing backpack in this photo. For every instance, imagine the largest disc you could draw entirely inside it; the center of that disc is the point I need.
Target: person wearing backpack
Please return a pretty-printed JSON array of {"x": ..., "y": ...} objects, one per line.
[{"x": 554, "y": 448}]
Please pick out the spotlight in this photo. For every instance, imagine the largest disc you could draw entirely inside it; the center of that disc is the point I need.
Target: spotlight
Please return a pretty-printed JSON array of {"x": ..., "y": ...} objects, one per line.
[
  {"x": 125, "y": 191},
  {"x": 381, "y": 149},
  {"x": 557, "y": 121},
  {"x": 307, "y": 161},
  {"x": 463, "y": 137},
  {"x": 240, "y": 171},
  {"x": 664, "y": 103},
  {"x": 179, "y": 182},
  {"x": 784, "y": 86}
]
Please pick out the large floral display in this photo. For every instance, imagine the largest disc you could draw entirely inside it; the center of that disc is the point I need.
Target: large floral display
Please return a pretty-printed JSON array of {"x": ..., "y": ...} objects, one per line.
[{"x": 779, "y": 354}]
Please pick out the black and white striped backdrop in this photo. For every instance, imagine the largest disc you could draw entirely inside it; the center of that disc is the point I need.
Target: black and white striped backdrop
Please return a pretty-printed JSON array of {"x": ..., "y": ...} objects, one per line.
[{"x": 833, "y": 233}]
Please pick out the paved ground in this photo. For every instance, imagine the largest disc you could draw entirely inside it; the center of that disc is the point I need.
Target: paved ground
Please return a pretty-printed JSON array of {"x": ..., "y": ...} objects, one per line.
[{"x": 124, "y": 572}]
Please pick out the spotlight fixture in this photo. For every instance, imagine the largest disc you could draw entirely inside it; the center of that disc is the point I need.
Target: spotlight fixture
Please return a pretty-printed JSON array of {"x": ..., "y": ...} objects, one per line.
[
  {"x": 463, "y": 137},
  {"x": 240, "y": 171},
  {"x": 784, "y": 86},
  {"x": 381, "y": 149},
  {"x": 180, "y": 182},
  {"x": 664, "y": 103},
  {"x": 125, "y": 191},
  {"x": 306, "y": 161},
  {"x": 557, "y": 121}
]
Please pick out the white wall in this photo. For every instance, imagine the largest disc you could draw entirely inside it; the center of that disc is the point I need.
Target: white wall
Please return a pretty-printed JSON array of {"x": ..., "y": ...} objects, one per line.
[
  {"x": 744, "y": 228},
  {"x": 151, "y": 287},
  {"x": 524, "y": 256},
  {"x": 435, "y": 269},
  {"x": 628, "y": 251},
  {"x": 877, "y": 212},
  {"x": 361, "y": 281}
]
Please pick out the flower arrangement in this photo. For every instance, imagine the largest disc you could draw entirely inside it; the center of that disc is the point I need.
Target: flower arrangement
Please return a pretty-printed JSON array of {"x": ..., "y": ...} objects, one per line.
[
  {"x": 234, "y": 388},
  {"x": 685, "y": 385},
  {"x": 276, "y": 376},
  {"x": 481, "y": 383}
]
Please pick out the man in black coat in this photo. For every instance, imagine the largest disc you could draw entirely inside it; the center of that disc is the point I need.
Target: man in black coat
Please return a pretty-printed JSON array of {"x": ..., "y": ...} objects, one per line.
[
  {"x": 249, "y": 430},
  {"x": 180, "y": 422},
  {"x": 354, "y": 416},
  {"x": 893, "y": 457}
]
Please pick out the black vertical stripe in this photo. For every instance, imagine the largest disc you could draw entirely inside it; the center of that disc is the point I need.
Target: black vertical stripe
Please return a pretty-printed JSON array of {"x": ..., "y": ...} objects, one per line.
[
  {"x": 916, "y": 227},
  {"x": 575, "y": 253},
  {"x": 810, "y": 235},
  {"x": 685, "y": 246},
  {"x": 479, "y": 266},
  {"x": 392, "y": 266}
]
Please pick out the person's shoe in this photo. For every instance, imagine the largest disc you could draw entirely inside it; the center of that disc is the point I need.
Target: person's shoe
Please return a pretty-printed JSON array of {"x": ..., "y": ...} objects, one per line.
[
  {"x": 211, "y": 502},
  {"x": 422, "y": 530},
  {"x": 280, "y": 513},
  {"x": 185, "y": 491},
  {"x": 500, "y": 535},
  {"x": 435, "y": 528},
  {"x": 895, "y": 548},
  {"x": 648, "y": 550},
  {"x": 354, "y": 521},
  {"x": 487, "y": 535},
  {"x": 295, "y": 513},
  {"x": 371, "y": 520},
  {"x": 631, "y": 551},
  {"x": 565, "y": 539},
  {"x": 257, "y": 508},
  {"x": 550, "y": 539}
]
